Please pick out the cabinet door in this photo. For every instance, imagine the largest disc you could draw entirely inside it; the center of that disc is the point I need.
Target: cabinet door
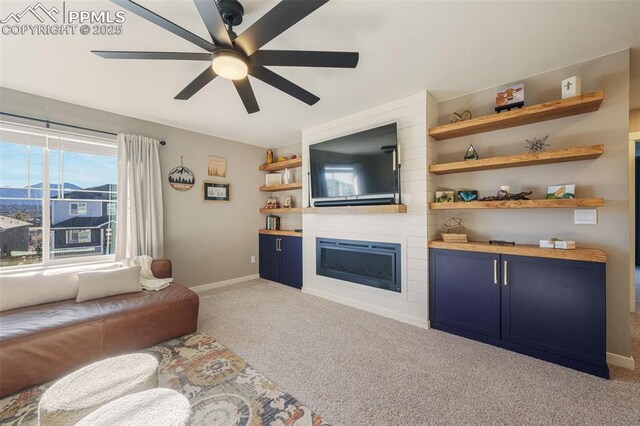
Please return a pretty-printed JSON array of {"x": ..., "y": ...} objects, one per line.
[
  {"x": 269, "y": 265},
  {"x": 464, "y": 291},
  {"x": 291, "y": 261},
  {"x": 557, "y": 306}
]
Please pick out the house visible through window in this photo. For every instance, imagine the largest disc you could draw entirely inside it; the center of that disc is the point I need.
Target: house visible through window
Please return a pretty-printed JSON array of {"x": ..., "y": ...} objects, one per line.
[
  {"x": 57, "y": 196},
  {"x": 78, "y": 209},
  {"x": 112, "y": 209},
  {"x": 79, "y": 236}
]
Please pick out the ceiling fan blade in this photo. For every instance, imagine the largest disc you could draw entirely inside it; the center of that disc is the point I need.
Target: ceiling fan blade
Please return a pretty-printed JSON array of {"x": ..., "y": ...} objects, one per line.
[
  {"x": 200, "y": 81},
  {"x": 178, "y": 56},
  {"x": 301, "y": 58},
  {"x": 150, "y": 16},
  {"x": 283, "y": 16},
  {"x": 213, "y": 21},
  {"x": 246, "y": 94},
  {"x": 283, "y": 84}
]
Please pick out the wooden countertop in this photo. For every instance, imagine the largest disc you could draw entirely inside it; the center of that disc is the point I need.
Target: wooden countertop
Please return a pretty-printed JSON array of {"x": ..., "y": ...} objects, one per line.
[{"x": 583, "y": 254}]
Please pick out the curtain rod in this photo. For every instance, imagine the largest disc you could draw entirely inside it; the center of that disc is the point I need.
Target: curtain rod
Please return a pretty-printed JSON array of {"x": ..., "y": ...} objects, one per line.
[{"x": 48, "y": 124}]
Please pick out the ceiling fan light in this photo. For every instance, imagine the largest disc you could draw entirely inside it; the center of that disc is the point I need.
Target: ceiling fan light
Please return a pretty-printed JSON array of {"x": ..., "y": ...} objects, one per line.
[{"x": 229, "y": 65}]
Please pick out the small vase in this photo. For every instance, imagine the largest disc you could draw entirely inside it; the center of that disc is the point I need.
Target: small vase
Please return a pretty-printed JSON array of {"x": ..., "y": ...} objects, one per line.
[{"x": 269, "y": 156}]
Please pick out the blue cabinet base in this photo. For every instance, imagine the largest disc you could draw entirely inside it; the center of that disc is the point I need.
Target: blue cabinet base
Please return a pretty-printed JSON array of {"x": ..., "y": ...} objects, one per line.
[{"x": 545, "y": 356}]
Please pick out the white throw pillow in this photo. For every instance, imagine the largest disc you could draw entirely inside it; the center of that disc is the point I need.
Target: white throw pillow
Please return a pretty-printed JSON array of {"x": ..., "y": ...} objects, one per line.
[
  {"x": 98, "y": 284},
  {"x": 35, "y": 288}
]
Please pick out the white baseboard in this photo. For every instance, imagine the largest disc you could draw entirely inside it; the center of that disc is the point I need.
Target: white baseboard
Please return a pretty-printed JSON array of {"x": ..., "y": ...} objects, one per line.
[
  {"x": 621, "y": 361},
  {"x": 367, "y": 307},
  {"x": 205, "y": 287}
]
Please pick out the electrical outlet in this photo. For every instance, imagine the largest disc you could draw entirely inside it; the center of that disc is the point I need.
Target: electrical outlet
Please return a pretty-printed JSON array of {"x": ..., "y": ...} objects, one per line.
[
  {"x": 586, "y": 217},
  {"x": 253, "y": 259}
]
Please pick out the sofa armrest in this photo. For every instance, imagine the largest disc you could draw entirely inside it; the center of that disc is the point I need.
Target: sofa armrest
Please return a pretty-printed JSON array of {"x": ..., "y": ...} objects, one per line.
[{"x": 161, "y": 268}]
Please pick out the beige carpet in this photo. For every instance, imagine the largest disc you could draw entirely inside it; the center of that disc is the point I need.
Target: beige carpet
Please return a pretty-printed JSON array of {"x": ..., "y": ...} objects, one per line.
[{"x": 357, "y": 368}]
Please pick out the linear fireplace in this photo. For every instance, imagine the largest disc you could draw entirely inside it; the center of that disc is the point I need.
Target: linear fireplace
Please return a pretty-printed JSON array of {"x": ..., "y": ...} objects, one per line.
[{"x": 369, "y": 263}]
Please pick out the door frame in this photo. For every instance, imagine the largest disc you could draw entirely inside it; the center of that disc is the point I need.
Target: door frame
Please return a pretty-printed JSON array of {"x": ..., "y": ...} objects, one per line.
[{"x": 634, "y": 137}]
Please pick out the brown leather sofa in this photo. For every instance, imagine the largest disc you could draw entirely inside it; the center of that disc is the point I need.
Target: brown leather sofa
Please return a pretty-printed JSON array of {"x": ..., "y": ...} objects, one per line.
[{"x": 44, "y": 342}]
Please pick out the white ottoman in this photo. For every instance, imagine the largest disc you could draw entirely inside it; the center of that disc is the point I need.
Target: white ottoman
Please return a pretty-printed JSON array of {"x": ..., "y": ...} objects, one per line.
[
  {"x": 156, "y": 407},
  {"x": 80, "y": 393}
]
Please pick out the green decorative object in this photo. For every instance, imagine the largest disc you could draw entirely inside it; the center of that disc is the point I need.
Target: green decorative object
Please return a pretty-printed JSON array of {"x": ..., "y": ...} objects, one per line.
[{"x": 471, "y": 154}]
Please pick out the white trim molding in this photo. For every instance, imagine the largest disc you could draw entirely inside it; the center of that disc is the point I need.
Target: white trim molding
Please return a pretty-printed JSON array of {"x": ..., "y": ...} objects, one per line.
[
  {"x": 621, "y": 361},
  {"x": 204, "y": 287}
]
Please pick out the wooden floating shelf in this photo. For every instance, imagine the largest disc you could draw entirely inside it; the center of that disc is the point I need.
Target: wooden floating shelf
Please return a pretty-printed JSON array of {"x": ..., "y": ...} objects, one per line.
[
  {"x": 383, "y": 209},
  {"x": 587, "y": 255},
  {"x": 281, "y": 165},
  {"x": 518, "y": 117},
  {"x": 276, "y": 188},
  {"x": 522, "y": 160},
  {"x": 282, "y": 210},
  {"x": 520, "y": 204},
  {"x": 281, "y": 232}
]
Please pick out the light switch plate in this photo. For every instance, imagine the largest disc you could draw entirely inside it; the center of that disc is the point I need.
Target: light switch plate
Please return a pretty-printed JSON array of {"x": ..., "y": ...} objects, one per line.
[{"x": 586, "y": 217}]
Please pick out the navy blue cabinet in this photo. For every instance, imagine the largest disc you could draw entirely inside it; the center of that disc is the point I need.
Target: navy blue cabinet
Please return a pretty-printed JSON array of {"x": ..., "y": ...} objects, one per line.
[
  {"x": 547, "y": 308},
  {"x": 466, "y": 296},
  {"x": 281, "y": 259},
  {"x": 269, "y": 264}
]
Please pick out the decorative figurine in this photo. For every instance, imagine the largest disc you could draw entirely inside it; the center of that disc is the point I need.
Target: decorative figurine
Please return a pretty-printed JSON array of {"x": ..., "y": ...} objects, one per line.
[
  {"x": 571, "y": 87},
  {"x": 537, "y": 145},
  {"x": 455, "y": 117},
  {"x": 288, "y": 203},
  {"x": 272, "y": 203},
  {"x": 471, "y": 154},
  {"x": 269, "y": 156},
  {"x": 287, "y": 177},
  {"x": 281, "y": 159}
]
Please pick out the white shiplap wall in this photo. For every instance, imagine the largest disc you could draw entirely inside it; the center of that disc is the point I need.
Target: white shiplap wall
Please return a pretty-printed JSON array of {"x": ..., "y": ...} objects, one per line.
[{"x": 409, "y": 230}]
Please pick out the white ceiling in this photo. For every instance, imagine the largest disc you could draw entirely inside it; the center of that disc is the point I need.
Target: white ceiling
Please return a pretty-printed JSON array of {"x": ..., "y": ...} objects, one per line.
[{"x": 449, "y": 48}]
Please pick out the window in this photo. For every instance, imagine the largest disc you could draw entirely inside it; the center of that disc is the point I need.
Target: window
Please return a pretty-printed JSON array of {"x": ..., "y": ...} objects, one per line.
[
  {"x": 58, "y": 196},
  {"x": 78, "y": 236},
  {"x": 78, "y": 209}
]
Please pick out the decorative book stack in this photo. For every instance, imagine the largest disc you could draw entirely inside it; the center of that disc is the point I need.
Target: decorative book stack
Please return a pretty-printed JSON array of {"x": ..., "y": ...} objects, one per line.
[{"x": 273, "y": 222}]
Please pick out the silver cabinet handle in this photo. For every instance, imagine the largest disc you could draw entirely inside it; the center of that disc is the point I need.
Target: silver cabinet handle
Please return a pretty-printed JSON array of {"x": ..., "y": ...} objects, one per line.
[
  {"x": 277, "y": 244},
  {"x": 505, "y": 272},
  {"x": 495, "y": 271}
]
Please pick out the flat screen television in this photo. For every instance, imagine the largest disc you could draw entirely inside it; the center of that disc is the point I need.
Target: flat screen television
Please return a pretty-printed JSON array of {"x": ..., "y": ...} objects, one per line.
[{"x": 356, "y": 165}]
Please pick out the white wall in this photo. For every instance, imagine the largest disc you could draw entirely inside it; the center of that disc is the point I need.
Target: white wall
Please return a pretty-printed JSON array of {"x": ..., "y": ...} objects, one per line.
[{"x": 409, "y": 230}]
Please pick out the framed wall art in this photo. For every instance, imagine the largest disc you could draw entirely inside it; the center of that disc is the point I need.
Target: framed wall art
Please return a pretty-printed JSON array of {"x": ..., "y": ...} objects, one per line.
[
  {"x": 216, "y": 167},
  {"x": 212, "y": 191}
]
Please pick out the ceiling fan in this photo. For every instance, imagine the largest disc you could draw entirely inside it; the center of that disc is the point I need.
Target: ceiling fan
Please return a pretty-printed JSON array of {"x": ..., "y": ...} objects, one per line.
[{"x": 234, "y": 57}]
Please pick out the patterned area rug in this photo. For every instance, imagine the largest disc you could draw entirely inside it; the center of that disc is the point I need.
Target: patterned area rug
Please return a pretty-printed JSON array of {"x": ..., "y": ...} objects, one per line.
[{"x": 222, "y": 388}]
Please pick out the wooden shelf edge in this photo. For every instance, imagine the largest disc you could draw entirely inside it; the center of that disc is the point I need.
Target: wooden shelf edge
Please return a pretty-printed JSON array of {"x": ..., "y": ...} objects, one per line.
[
  {"x": 281, "y": 165},
  {"x": 276, "y": 188},
  {"x": 282, "y": 210},
  {"x": 522, "y": 160},
  {"x": 520, "y": 204},
  {"x": 588, "y": 102},
  {"x": 281, "y": 232},
  {"x": 383, "y": 209},
  {"x": 583, "y": 254}
]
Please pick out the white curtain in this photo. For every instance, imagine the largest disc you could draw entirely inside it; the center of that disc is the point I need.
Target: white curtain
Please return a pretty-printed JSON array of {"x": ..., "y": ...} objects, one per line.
[{"x": 140, "y": 218}]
